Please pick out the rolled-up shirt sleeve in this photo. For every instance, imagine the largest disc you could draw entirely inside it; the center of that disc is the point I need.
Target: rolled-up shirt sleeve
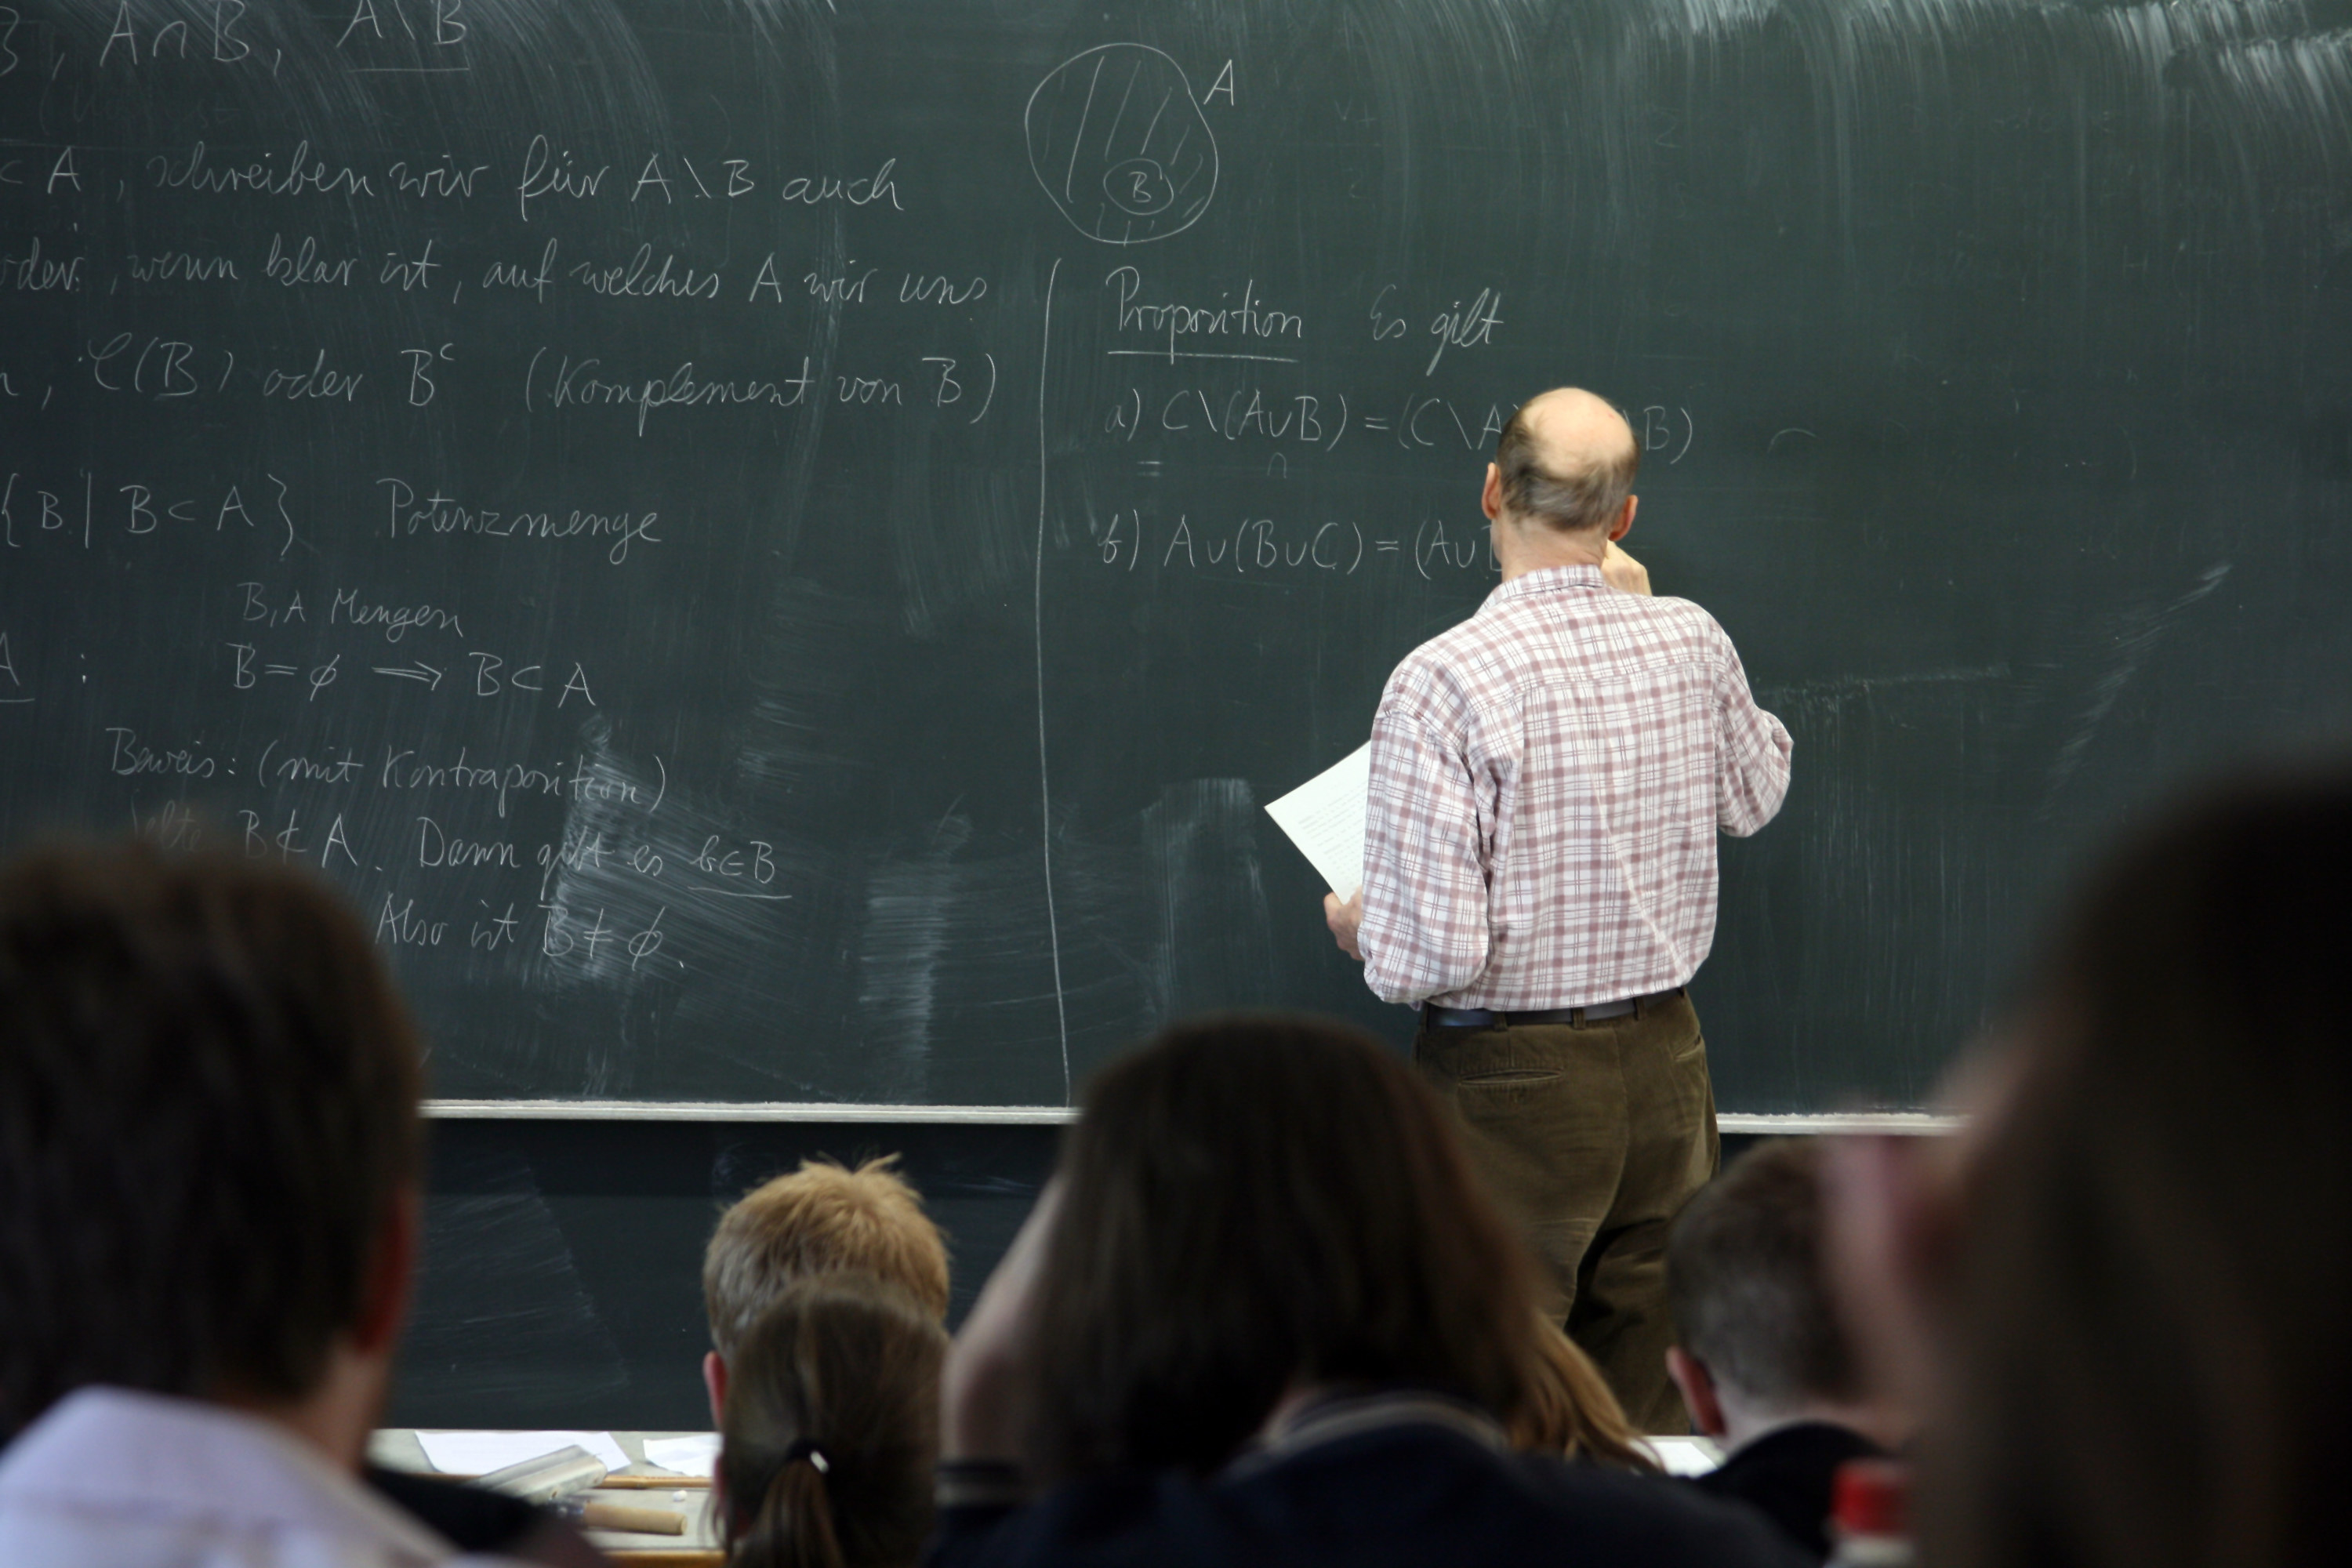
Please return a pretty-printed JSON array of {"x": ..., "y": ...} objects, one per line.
[
  {"x": 1751, "y": 772},
  {"x": 1424, "y": 921}
]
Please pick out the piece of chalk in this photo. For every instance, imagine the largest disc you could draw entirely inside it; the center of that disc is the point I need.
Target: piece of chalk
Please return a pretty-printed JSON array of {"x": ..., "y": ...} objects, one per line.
[{"x": 624, "y": 1516}]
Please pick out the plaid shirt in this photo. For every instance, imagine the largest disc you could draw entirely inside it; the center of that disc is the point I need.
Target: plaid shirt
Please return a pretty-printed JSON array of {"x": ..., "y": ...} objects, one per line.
[{"x": 1548, "y": 778}]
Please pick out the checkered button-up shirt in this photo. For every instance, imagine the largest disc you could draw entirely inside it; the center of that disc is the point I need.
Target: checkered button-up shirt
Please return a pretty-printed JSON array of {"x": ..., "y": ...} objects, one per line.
[{"x": 1547, "y": 779}]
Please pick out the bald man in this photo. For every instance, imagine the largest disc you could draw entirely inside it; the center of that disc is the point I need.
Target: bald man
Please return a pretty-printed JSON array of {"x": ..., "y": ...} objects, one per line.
[{"x": 1547, "y": 781}]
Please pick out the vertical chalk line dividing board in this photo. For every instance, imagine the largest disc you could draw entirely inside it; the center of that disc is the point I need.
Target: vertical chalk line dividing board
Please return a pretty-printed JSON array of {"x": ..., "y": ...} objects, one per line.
[{"x": 777, "y": 547}]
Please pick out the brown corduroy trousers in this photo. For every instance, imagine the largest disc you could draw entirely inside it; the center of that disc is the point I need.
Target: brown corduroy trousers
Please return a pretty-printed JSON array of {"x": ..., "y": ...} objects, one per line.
[{"x": 1592, "y": 1137}]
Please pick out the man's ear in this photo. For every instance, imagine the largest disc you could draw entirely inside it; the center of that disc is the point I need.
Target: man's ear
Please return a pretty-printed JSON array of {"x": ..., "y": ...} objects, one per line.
[
  {"x": 1625, "y": 520},
  {"x": 1490, "y": 498},
  {"x": 391, "y": 1275},
  {"x": 714, "y": 1380},
  {"x": 1697, "y": 1385}
]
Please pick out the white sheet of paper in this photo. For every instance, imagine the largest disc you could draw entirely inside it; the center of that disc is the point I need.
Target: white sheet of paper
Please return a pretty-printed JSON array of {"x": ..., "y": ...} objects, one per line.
[
  {"x": 479, "y": 1453},
  {"x": 1325, "y": 817},
  {"x": 693, "y": 1456}
]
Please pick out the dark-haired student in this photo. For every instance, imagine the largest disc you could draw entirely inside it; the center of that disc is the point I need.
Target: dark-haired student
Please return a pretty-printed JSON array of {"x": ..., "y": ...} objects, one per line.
[
  {"x": 208, "y": 1211},
  {"x": 1266, "y": 1314},
  {"x": 2116, "y": 1299},
  {"x": 831, "y": 1428},
  {"x": 1763, "y": 1364}
]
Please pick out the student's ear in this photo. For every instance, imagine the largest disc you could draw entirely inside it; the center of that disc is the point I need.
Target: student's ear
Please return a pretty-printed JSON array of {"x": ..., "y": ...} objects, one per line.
[
  {"x": 1697, "y": 1385},
  {"x": 714, "y": 1379},
  {"x": 391, "y": 1275},
  {"x": 1892, "y": 1207},
  {"x": 1625, "y": 520},
  {"x": 1490, "y": 500}
]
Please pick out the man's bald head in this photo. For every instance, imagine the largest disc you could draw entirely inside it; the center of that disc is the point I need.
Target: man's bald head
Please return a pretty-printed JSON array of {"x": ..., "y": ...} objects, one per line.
[{"x": 1566, "y": 460}]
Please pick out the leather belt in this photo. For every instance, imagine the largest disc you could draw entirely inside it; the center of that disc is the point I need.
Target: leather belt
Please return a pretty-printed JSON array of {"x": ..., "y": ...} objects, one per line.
[{"x": 1575, "y": 1018}]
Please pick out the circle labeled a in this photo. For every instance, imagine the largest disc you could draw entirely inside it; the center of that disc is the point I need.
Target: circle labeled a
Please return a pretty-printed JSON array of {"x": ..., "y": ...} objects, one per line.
[{"x": 1118, "y": 143}]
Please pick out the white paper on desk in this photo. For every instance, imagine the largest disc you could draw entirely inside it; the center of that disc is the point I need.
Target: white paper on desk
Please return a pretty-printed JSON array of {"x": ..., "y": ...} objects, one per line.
[
  {"x": 693, "y": 1456},
  {"x": 1325, "y": 817},
  {"x": 479, "y": 1453}
]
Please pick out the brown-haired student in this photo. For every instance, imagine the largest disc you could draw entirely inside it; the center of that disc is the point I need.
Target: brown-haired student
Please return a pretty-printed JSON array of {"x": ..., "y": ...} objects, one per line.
[
  {"x": 209, "y": 1195},
  {"x": 1266, "y": 1314},
  {"x": 2118, "y": 1297}
]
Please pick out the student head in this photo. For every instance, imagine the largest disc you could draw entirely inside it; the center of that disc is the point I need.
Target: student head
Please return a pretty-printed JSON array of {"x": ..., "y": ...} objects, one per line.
[
  {"x": 1760, "y": 1342},
  {"x": 831, "y": 1428},
  {"x": 2121, "y": 1292},
  {"x": 208, "y": 1139},
  {"x": 1254, "y": 1205},
  {"x": 819, "y": 1218}
]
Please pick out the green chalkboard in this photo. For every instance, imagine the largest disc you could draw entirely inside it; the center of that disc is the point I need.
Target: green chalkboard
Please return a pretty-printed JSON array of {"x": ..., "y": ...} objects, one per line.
[{"x": 778, "y": 548}]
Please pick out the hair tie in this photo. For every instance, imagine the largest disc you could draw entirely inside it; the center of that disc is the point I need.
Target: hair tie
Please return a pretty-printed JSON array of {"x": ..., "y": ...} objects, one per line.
[{"x": 802, "y": 1448}]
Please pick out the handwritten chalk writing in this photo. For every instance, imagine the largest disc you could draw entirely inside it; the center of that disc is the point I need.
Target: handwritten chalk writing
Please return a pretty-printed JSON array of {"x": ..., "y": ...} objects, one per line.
[
  {"x": 522, "y": 276},
  {"x": 638, "y": 279},
  {"x": 403, "y": 769},
  {"x": 1257, "y": 546},
  {"x": 288, "y": 840},
  {"x": 223, "y": 37},
  {"x": 1173, "y": 320},
  {"x": 759, "y": 866},
  {"x": 406, "y": 273},
  {"x": 166, "y": 366},
  {"x": 447, "y": 31},
  {"x": 866, "y": 389},
  {"x": 444, "y": 179},
  {"x": 438, "y": 513},
  {"x": 173, "y": 825},
  {"x": 142, "y": 510},
  {"x": 399, "y": 927},
  {"x": 258, "y": 606},
  {"x": 495, "y": 933},
  {"x": 1458, "y": 327},
  {"x": 939, "y": 289},
  {"x": 305, "y": 266},
  {"x": 1657, "y": 430},
  {"x": 440, "y": 850},
  {"x": 293, "y": 769},
  {"x": 318, "y": 383},
  {"x": 181, "y": 266},
  {"x": 549, "y": 173},
  {"x": 1304, "y": 418},
  {"x": 33, "y": 273},
  {"x": 810, "y": 190},
  {"x": 421, "y": 384},
  {"x": 395, "y": 621},
  {"x": 577, "y": 384},
  {"x": 303, "y": 173},
  {"x": 133, "y": 757},
  {"x": 565, "y": 934},
  {"x": 1383, "y": 324},
  {"x": 842, "y": 290}
]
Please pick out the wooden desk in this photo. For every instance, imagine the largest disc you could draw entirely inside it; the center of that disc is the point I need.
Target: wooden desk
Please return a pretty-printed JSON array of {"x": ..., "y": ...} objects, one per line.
[{"x": 396, "y": 1449}]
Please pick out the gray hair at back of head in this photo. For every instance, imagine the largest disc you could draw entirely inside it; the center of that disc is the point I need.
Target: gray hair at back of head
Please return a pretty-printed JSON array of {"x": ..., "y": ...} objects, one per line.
[
  {"x": 1590, "y": 496},
  {"x": 1746, "y": 1284}
]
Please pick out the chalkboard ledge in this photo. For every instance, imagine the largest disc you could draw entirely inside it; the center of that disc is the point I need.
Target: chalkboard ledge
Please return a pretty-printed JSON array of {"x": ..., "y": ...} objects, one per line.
[{"x": 1739, "y": 1123}]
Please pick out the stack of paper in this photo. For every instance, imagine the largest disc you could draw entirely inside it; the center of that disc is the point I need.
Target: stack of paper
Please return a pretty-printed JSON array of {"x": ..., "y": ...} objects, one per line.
[{"x": 479, "y": 1453}]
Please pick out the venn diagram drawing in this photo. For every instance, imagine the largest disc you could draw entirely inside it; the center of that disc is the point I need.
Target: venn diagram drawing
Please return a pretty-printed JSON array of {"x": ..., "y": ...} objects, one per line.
[{"x": 1120, "y": 144}]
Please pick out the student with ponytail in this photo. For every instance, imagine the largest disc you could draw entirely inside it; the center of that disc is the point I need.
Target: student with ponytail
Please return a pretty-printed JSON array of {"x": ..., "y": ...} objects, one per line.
[{"x": 831, "y": 1428}]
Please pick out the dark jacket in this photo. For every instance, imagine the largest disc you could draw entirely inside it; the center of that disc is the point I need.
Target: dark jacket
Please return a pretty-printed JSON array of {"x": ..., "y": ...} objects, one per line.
[
  {"x": 1787, "y": 1473},
  {"x": 1414, "y": 1481}
]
